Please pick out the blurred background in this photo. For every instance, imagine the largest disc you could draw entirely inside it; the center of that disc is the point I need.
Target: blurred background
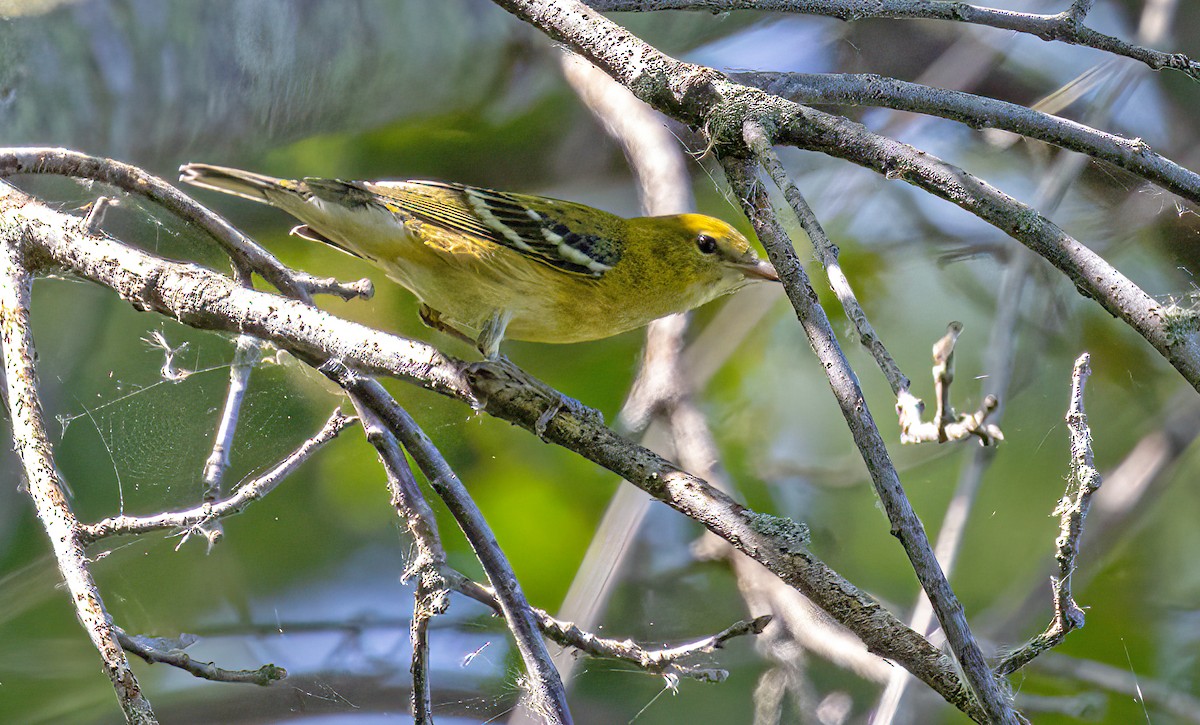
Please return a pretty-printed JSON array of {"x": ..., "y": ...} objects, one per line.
[{"x": 460, "y": 90}]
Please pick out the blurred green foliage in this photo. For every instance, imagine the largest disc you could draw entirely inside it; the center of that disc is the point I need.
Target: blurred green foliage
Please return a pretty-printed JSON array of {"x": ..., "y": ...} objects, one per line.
[{"x": 298, "y": 557}]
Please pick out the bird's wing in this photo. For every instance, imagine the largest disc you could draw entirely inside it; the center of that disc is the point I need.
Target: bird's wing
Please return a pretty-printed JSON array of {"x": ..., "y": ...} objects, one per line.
[{"x": 565, "y": 235}]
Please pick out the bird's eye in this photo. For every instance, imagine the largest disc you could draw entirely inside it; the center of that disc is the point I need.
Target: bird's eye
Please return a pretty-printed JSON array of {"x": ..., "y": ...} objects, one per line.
[{"x": 706, "y": 244}]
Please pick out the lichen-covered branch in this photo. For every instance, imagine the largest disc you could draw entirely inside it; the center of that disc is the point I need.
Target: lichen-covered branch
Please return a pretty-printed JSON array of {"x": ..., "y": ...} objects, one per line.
[
  {"x": 864, "y": 89},
  {"x": 156, "y": 650},
  {"x": 905, "y": 524},
  {"x": 1065, "y": 27},
  {"x": 1072, "y": 509},
  {"x": 42, "y": 478}
]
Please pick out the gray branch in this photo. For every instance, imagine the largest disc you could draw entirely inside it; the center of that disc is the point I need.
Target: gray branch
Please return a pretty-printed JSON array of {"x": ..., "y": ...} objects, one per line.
[
  {"x": 1072, "y": 509},
  {"x": 1065, "y": 27},
  {"x": 548, "y": 697},
  {"x": 190, "y": 520},
  {"x": 430, "y": 593},
  {"x": 905, "y": 525},
  {"x": 156, "y": 650},
  {"x": 245, "y": 252},
  {"x": 42, "y": 478},
  {"x": 665, "y": 661},
  {"x": 1133, "y": 155}
]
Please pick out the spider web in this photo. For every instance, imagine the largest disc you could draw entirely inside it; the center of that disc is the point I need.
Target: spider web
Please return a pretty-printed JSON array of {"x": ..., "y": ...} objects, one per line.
[{"x": 155, "y": 432}]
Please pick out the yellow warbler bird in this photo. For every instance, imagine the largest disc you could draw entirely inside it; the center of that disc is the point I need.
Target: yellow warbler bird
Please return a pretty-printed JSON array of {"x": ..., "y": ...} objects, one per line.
[{"x": 488, "y": 264}]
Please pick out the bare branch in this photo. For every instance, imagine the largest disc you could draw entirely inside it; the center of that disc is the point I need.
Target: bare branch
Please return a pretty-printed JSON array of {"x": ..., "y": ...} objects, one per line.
[
  {"x": 250, "y": 491},
  {"x": 1131, "y": 488},
  {"x": 1065, "y": 27},
  {"x": 1092, "y": 275},
  {"x": 1084, "y": 480},
  {"x": 43, "y": 479},
  {"x": 827, "y": 255},
  {"x": 246, "y": 354},
  {"x": 1132, "y": 155},
  {"x": 156, "y": 650},
  {"x": 244, "y": 252},
  {"x": 661, "y": 661},
  {"x": 430, "y": 593},
  {"x": 905, "y": 524},
  {"x": 548, "y": 697}
]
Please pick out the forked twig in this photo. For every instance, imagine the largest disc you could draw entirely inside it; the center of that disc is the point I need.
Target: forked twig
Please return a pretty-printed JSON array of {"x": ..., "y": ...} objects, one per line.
[{"x": 1084, "y": 480}]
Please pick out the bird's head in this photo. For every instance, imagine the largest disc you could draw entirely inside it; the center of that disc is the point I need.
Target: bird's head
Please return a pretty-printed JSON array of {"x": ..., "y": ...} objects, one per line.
[{"x": 711, "y": 253}]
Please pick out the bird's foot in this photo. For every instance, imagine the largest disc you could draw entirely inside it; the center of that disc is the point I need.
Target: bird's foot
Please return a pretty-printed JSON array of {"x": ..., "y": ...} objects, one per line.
[{"x": 433, "y": 319}]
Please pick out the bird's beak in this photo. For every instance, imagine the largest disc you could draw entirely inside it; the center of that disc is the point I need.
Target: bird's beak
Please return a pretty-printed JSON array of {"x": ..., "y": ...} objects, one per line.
[{"x": 760, "y": 269}]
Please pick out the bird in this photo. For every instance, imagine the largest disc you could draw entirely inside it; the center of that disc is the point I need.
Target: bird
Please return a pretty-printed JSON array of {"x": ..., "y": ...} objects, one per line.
[{"x": 488, "y": 265}]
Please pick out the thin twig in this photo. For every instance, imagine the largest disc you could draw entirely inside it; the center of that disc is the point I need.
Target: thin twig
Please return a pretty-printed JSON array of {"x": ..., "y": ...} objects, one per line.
[
  {"x": 547, "y": 692},
  {"x": 664, "y": 661},
  {"x": 905, "y": 524},
  {"x": 1066, "y": 27},
  {"x": 827, "y": 255},
  {"x": 1131, "y": 489},
  {"x": 155, "y": 650},
  {"x": 243, "y": 250},
  {"x": 1084, "y": 480},
  {"x": 250, "y": 491},
  {"x": 43, "y": 479},
  {"x": 1133, "y": 155},
  {"x": 246, "y": 353},
  {"x": 430, "y": 593}
]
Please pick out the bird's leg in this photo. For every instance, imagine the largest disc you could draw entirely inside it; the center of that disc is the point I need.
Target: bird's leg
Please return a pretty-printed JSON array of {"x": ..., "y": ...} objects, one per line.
[
  {"x": 433, "y": 318},
  {"x": 489, "y": 344},
  {"x": 492, "y": 333}
]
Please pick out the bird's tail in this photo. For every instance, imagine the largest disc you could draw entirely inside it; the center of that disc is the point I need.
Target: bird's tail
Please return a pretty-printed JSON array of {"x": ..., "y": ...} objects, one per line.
[{"x": 246, "y": 184}]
